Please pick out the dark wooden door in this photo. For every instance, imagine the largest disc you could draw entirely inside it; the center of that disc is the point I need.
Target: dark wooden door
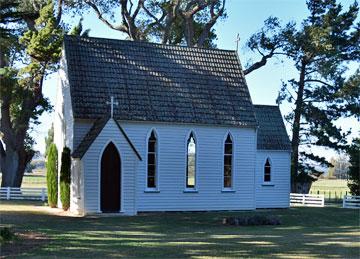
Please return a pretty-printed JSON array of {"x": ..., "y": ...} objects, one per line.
[{"x": 110, "y": 179}]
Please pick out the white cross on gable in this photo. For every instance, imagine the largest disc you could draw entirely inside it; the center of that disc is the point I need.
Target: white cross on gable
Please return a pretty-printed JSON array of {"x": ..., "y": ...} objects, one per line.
[
  {"x": 237, "y": 42},
  {"x": 112, "y": 103}
]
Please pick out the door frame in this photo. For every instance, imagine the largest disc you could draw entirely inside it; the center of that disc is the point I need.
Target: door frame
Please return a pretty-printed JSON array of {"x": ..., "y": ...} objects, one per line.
[{"x": 121, "y": 176}]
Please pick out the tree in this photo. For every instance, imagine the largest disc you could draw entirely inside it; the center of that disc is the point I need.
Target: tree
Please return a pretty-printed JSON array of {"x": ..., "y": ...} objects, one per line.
[
  {"x": 31, "y": 41},
  {"x": 49, "y": 139},
  {"x": 319, "y": 49},
  {"x": 187, "y": 22},
  {"x": 51, "y": 176},
  {"x": 340, "y": 167},
  {"x": 65, "y": 173},
  {"x": 354, "y": 173}
]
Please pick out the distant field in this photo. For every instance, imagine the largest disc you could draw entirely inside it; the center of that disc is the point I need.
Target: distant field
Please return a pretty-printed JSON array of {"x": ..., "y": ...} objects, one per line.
[
  {"x": 34, "y": 180},
  {"x": 331, "y": 188}
]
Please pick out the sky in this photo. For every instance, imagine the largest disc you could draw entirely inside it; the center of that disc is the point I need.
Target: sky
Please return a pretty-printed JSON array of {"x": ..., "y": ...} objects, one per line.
[{"x": 245, "y": 17}]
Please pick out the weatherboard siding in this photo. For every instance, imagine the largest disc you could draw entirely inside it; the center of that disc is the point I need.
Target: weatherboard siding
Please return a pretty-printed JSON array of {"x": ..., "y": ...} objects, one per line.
[
  {"x": 172, "y": 140},
  {"x": 276, "y": 193},
  {"x": 91, "y": 167},
  {"x": 63, "y": 117}
]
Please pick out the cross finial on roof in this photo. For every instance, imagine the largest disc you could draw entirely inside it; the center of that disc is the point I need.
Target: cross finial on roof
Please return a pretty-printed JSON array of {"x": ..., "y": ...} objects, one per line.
[
  {"x": 112, "y": 102},
  {"x": 237, "y": 42}
]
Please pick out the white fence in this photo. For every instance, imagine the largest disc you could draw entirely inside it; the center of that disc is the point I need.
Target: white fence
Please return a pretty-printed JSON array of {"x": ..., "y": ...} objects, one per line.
[
  {"x": 352, "y": 202},
  {"x": 308, "y": 200},
  {"x": 12, "y": 193}
]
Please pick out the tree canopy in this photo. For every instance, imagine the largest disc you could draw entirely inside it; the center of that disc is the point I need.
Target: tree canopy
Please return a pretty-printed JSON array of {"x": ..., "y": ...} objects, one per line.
[
  {"x": 187, "y": 22},
  {"x": 319, "y": 49},
  {"x": 30, "y": 49}
]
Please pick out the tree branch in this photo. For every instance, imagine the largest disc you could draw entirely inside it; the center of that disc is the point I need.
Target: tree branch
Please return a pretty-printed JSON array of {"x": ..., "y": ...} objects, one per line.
[
  {"x": 205, "y": 33},
  {"x": 121, "y": 27},
  {"x": 260, "y": 63}
]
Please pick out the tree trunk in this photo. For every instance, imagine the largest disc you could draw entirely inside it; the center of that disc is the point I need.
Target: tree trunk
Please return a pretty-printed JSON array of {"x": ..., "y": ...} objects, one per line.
[
  {"x": 9, "y": 167},
  {"x": 296, "y": 127}
]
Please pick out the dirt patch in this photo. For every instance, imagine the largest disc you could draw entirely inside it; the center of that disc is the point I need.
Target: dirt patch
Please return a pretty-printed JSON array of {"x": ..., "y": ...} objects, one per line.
[{"x": 23, "y": 242}]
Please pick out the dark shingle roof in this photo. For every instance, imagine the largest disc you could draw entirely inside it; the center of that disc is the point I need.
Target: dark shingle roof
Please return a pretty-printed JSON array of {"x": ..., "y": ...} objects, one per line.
[
  {"x": 154, "y": 82},
  {"x": 272, "y": 134},
  {"x": 95, "y": 130}
]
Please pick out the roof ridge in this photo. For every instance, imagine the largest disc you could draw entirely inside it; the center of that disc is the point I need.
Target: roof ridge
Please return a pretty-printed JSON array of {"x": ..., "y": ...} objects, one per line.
[
  {"x": 149, "y": 43},
  {"x": 266, "y": 105}
]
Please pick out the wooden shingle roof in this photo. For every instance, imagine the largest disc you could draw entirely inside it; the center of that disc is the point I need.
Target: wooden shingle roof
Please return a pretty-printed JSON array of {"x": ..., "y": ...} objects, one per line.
[
  {"x": 271, "y": 134},
  {"x": 154, "y": 82}
]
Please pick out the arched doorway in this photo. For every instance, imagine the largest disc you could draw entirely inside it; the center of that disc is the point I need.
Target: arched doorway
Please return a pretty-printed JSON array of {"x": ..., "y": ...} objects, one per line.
[{"x": 110, "y": 179}]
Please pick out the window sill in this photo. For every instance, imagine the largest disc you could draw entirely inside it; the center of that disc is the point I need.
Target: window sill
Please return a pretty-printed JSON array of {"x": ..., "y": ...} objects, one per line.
[
  {"x": 268, "y": 184},
  {"x": 190, "y": 191},
  {"x": 227, "y": 190},
  {"x": 151, "y": 190}
]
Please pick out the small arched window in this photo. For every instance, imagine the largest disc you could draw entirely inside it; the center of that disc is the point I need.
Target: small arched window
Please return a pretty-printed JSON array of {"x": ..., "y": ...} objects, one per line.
[
  {"x": 151, "y": 161},
  {"x": 191, "y": 162},
  {"x": 228, "y": 156},
  {"x": 267, "y": 171}
]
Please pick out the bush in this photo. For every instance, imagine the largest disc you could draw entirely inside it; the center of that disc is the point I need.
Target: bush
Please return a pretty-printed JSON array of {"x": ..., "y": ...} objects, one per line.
[
  {"x": 51, "y": 176},
  {"x": 6, "y": 234},
  {"x": 354, "y": 170},
  {"x": 65, "y": 172},
  {"x": 257, "y": 220}
]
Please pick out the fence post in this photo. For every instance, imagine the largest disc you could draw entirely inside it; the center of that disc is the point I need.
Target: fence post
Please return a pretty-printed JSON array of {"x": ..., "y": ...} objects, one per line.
[
  {"x": 43, "y": 194},
  {"x": 322, "y": 201},
  {"x": 344, "y": 201},
  {"x": 8, "y": 193},
  {"x": 303, "y": 199}
]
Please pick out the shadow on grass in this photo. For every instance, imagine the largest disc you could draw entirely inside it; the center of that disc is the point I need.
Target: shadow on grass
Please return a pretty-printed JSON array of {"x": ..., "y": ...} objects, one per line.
[{"x": 305, "y": 232}]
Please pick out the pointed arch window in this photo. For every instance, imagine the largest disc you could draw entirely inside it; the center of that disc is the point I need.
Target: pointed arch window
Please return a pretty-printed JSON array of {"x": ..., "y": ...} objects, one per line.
[
  {"x": 267, "y": 171},
  {"x": 151, "y": 161},
  {"x": 228, "y": 158},
  {"x": 191, "y": 162}
]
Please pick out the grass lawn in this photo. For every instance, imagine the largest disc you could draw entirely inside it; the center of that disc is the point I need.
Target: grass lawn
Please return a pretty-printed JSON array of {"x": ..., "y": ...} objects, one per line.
[
  {"x": 305, "y": 232},
  {"x": 332, "y": 189},
  {"x": 36, "y": 179}
]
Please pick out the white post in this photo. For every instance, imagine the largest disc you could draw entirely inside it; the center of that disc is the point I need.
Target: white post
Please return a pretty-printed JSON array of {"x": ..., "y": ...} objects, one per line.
[
  {"x": 344, "y": 201},
  {"x": 8, "y": 193},
  {"x": 43, "y": 194},
  {"x": 303, "y": 199},
  {"x": 322, "y": 201}
]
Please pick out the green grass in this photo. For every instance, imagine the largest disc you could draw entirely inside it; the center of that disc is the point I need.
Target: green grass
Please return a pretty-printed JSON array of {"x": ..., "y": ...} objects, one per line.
[
  {"x": 305, "y": 232},
  {"x": 34, "y": 180},
  {"x": 333, "y": 189}
]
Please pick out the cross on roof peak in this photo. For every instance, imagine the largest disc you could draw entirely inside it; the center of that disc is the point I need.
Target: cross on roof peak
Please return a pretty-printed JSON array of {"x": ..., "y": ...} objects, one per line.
[{"x": 112, "y": 103}]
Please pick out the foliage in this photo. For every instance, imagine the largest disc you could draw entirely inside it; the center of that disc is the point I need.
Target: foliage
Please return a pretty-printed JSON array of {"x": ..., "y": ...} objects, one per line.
[
  {"x": 354, "y": 172},
  {"x": 51, "y": 175},
  {"x": 319, "y": 49},
  {"x": 31, "y": 41},
  {"x": 65, "y": 173},
  {"x": 6, "y": 235},
  {"x": 49, "y": 139},
  {"x": 78, "y": 30},
  {"x": 256, "y": 220},
  {"x": 166, "y": 21}
]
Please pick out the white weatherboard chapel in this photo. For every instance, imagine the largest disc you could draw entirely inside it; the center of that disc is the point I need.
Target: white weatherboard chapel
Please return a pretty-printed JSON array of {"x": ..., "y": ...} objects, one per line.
[{"x": 166, "y": 128}]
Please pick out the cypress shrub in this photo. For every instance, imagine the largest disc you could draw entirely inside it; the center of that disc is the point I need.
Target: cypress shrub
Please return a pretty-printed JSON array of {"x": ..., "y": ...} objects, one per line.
[
  {"x": 65, "y": 172},
  {"x": 51, "y": 176}
]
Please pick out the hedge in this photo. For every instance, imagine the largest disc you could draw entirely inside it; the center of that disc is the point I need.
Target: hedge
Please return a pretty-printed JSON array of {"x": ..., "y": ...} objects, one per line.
[
  {"x": 51, "y": 176},
  {"x": 65, "y": 172}
]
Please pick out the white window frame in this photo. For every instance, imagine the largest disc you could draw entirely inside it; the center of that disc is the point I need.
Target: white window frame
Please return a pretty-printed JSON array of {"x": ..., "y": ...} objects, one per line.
[
  {"x": 232, "y": 188},
  {"x": 195, "y": 188},
  {"x": 157, "y": 171}
]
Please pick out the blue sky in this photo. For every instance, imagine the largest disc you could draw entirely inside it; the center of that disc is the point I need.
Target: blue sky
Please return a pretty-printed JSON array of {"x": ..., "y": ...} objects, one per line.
[{"x": 244, "y": 17}]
